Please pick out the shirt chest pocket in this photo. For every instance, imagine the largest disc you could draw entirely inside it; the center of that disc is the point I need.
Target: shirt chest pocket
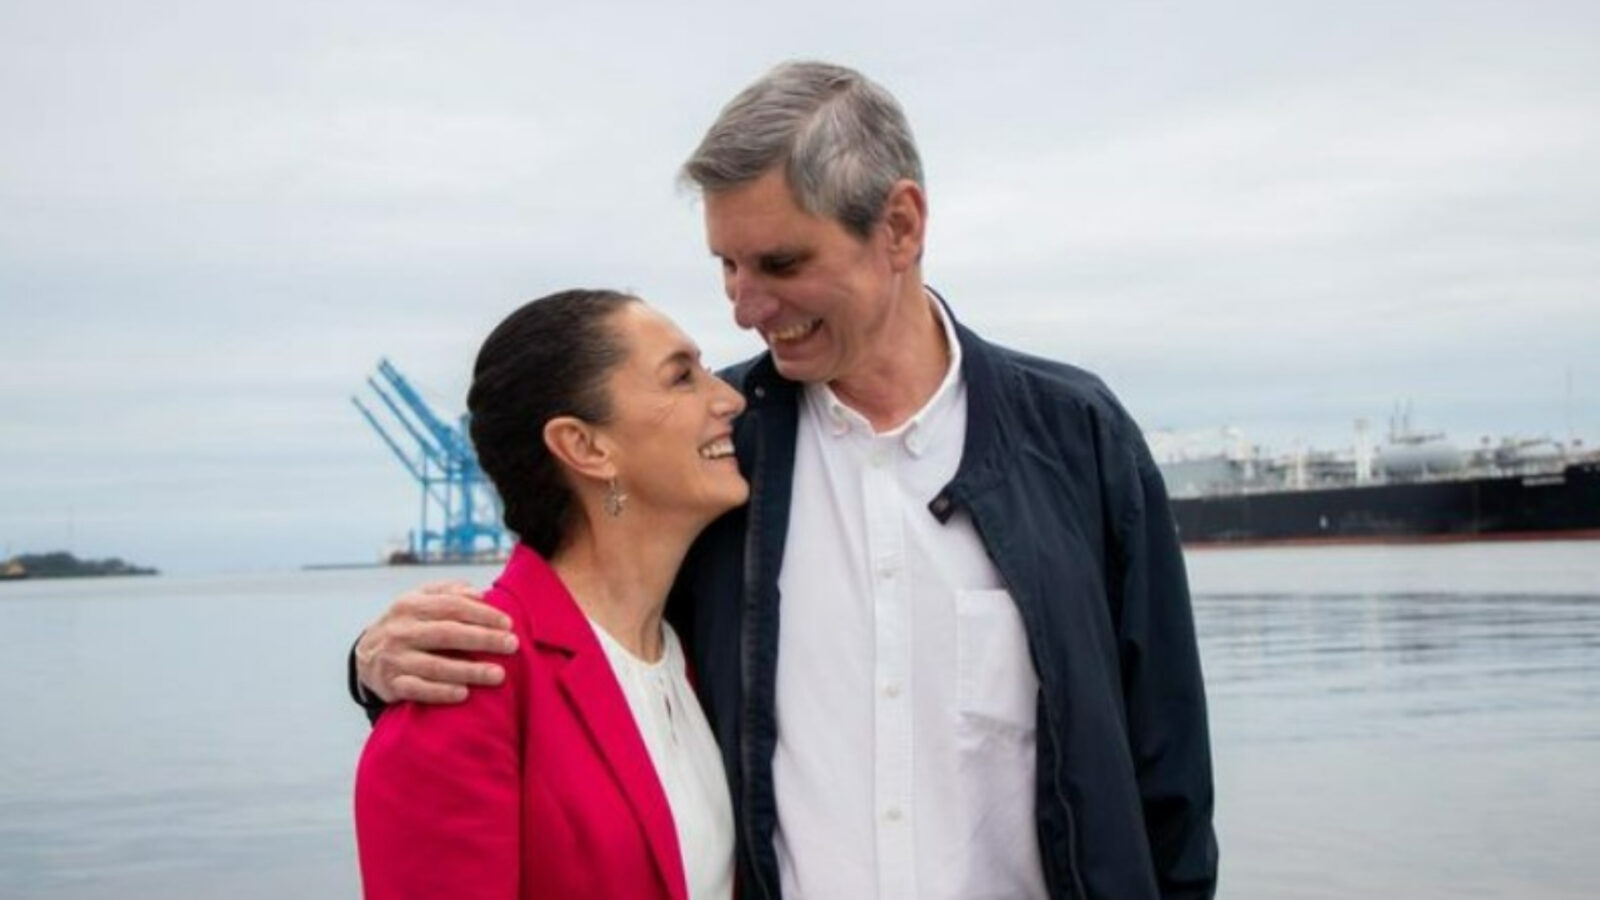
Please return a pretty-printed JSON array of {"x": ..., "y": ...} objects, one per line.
[{"x": 996, "y": 685}]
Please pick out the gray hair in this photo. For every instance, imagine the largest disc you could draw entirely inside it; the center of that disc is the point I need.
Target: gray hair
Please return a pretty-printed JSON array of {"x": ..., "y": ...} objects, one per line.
[{"x": 843, "y": 142}]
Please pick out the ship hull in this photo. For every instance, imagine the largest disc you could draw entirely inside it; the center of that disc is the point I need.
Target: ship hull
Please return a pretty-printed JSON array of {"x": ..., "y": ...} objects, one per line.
[{"x": 1561, "y": 505}]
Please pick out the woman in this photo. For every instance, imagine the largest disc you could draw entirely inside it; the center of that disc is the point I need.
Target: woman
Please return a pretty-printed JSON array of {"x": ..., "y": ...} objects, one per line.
[{"x": 591, "y": 772}]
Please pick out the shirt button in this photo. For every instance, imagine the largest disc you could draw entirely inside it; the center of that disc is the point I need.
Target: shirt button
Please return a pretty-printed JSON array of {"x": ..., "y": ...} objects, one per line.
[
  {"x": 879, "y": 458},
  {"x": 892, "y": 814},
  {"x": 891, "y": 689}
]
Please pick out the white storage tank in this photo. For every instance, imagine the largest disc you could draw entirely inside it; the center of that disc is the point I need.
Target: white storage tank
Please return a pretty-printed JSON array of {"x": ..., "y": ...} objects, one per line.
[{"x": 1413, "y": 459}]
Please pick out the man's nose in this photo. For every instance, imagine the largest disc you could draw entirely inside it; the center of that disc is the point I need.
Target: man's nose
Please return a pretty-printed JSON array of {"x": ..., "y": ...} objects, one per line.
[{"x": 752, "y": 304}]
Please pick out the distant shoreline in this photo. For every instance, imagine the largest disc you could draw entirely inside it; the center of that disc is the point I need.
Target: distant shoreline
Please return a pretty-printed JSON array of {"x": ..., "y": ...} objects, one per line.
[{"x": 60, "y": 564}]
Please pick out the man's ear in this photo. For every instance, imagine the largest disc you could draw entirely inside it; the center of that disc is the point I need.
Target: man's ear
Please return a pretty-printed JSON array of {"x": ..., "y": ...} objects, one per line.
[
  {"x": 576, "y": 445},
  {"x": 905, "y": 213}
]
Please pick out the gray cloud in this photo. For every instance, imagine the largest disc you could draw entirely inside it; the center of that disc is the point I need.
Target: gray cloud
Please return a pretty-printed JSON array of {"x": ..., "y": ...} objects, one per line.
[{"x": 214, "y": 219}]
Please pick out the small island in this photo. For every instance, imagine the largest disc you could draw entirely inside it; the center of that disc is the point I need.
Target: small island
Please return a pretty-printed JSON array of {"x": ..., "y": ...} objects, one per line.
[{"x": 64, "y": 565}]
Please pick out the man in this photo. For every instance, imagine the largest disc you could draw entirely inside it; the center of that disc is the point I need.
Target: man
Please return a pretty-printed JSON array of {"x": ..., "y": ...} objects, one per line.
[{"x": 947, "y": 647}]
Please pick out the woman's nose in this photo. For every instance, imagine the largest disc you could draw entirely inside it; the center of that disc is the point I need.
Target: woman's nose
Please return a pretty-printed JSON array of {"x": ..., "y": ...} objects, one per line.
[{"x": 728, "y": 402}]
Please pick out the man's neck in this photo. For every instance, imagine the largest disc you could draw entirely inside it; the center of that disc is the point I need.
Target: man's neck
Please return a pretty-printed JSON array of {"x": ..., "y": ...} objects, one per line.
[{"x": 906, "y": 370}]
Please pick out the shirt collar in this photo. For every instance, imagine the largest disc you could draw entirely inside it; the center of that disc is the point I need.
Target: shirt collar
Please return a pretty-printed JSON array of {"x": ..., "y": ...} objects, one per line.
[{"x": 839, "y": 419}]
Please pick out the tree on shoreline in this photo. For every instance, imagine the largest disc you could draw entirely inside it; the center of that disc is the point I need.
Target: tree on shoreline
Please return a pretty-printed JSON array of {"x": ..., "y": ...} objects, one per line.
[{"x": 61, "y": 564}]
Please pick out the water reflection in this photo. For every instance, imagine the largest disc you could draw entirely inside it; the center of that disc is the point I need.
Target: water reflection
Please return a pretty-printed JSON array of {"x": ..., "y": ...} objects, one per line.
[
  {"x": 1307, "y": 666},
  {"x": 1404, "y": 722}
]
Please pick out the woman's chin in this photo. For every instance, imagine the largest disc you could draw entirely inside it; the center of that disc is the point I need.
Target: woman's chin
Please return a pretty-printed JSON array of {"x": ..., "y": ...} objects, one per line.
[
  {"x": 728, "y": 500},
  {"x": 740, "y": 496}
]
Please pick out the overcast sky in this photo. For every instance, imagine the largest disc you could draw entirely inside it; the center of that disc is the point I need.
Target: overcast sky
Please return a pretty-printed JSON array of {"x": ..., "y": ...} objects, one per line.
[{"x": 216, "y": 217}]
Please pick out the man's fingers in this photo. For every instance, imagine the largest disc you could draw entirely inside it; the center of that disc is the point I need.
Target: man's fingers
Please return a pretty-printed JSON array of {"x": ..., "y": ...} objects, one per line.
[
  {"x": 447, "y": 671},
  {"x": 407, "y": 687},
  {"x": 442, "y": 637},
  {"x": 410, "y": 652},
  {"x": 425, "y": 678},
  {"x": 453, "y": 586},
  {"x": 453, "y": 607}
]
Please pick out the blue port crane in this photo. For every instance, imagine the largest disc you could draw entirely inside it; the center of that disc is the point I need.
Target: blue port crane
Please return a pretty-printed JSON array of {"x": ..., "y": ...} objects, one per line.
[{"x": 460, "y": 517}]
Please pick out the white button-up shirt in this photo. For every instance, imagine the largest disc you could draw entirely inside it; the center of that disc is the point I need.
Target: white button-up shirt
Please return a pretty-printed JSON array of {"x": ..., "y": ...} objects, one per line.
[{"x": 905, "y": 693}]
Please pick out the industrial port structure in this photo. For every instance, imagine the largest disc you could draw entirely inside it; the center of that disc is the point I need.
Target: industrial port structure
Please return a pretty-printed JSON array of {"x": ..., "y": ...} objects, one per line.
[{"x": 459, "y": 520}]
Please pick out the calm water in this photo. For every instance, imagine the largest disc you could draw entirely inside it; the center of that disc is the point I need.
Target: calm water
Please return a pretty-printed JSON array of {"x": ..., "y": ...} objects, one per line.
[{"x": 1390, "y": 722}]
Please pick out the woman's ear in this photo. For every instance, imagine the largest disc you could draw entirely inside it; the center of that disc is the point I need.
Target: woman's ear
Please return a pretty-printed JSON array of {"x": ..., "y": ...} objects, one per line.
[{"x": 575, "y": 444}]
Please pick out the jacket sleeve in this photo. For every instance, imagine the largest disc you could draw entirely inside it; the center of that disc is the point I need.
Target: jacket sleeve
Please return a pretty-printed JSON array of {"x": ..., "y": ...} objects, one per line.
[
  {"x": 370, "y": 703},
  {"x": 1163, "y": 690},
  {"x": 438, "y": 799}
]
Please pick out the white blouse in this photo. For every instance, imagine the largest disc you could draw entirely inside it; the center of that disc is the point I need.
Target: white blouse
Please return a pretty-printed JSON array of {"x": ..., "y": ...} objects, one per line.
[{"x": 686, "y": 759}]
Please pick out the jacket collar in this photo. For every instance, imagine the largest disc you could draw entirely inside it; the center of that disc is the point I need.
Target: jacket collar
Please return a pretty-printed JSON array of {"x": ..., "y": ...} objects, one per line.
[
  {"x": 558, "y": 626},
  {"x": 989, "y": 423}
]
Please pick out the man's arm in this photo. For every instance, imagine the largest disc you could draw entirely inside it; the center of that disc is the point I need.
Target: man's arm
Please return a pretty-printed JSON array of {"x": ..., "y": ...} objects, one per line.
[
  {"x": 411, "y": 652},
  {"x": 1165, "y": 697}
]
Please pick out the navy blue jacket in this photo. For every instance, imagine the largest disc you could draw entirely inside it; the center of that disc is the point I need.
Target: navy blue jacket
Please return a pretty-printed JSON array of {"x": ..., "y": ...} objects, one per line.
[{"x": 1071, "y": 509}]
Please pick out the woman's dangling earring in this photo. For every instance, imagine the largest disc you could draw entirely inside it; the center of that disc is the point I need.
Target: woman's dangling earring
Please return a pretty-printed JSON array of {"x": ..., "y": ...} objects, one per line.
[{"x": 615, "y": 499}]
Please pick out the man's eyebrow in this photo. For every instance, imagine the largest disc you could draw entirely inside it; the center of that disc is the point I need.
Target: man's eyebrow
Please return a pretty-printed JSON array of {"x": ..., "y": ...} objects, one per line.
[{"x": 793, "y": 252}]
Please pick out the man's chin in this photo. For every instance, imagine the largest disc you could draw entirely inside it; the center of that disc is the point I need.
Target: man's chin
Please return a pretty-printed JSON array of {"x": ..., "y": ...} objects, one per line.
[{"x": 804, "y": 371}]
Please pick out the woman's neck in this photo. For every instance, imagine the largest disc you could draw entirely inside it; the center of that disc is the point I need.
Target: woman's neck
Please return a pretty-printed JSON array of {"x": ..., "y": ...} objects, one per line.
[{"x": 620, "y": 574}]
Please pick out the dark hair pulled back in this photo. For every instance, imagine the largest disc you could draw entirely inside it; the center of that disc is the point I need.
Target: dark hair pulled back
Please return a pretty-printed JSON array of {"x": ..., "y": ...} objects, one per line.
[{"x": 550, "y": 358}]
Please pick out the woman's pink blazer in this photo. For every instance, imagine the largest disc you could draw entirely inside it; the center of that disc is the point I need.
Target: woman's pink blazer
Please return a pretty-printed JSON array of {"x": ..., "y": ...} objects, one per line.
[{"x": 539, "y": 788}]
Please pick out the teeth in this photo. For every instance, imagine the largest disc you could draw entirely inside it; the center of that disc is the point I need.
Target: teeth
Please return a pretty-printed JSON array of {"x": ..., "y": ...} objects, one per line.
[
  {"x": 793, "y": 332},
  {"x": 717, "y": 449}
]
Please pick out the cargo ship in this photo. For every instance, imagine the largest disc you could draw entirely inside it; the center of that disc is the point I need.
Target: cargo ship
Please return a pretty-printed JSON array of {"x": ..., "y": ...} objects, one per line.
[{"x": 1412, "y": 487}]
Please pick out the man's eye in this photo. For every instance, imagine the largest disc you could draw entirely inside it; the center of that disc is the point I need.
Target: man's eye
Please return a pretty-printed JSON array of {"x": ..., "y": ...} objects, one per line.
[
  {"x": 779, "y": 265},
  {"x": 684, "y": 376}
]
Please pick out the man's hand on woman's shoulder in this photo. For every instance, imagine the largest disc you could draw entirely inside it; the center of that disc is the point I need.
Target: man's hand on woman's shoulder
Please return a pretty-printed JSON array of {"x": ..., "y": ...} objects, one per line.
[{"x": 411, "y": 651}]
